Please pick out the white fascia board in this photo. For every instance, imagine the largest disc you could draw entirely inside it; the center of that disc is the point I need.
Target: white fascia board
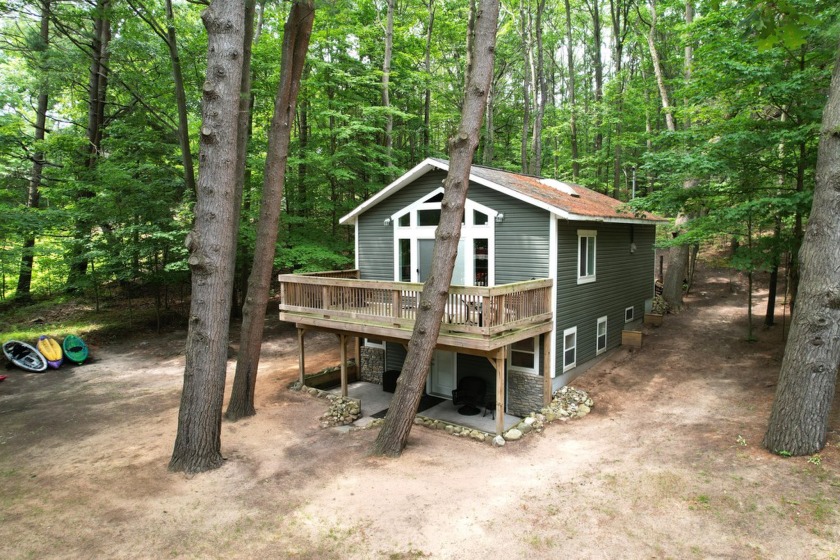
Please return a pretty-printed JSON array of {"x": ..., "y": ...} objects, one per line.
[{"x": 417, "y": 171}]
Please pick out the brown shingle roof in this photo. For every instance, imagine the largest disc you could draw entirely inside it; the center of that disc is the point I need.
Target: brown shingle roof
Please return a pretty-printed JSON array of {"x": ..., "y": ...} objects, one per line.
[
  {"x": 584, "y": 202},
  {"x": 572, "y": 202}
]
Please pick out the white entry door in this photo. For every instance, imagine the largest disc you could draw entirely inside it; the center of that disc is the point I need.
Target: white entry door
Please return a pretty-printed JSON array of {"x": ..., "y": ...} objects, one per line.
[{"x": 442, "y": 374}]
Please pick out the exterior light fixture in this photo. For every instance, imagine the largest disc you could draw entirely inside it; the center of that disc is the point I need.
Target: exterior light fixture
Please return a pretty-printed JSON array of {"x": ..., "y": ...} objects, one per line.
[
  {"x": 388, "y": 222},
  {"x": 500, "y": 218}
]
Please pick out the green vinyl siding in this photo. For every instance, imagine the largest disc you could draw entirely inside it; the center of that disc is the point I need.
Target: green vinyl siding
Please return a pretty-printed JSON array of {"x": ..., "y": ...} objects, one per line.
[
  {"x": 622, "y": 279},
  {"x": 376, "y": 241},
  {"x": 522, "y": 239}
]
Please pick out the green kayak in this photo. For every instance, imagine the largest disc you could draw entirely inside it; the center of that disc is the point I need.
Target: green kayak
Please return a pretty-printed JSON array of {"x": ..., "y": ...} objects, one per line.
[{"x": 75, "y": 349}]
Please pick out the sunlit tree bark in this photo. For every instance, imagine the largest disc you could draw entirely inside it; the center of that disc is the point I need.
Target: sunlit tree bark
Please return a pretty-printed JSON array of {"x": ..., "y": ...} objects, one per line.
[
  {"x": 799, "y": 419},
  {"x": 481, "y": 44},
  {"x": 212, "y": 245},
  {"x": 296, "y": 36}
]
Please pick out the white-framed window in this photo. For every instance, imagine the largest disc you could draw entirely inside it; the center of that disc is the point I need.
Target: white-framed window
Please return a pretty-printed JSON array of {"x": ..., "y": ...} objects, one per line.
[
  {"x": 375, "y": 343},
  {"x": 629, "y": 314},
  {"x": 414, "y": 234},
  {"x": 601, "y": 335},
  {"x": 524, "y": 356},
  {"x": 569, "y": 348},
  {"x": 586, "y": 255}
]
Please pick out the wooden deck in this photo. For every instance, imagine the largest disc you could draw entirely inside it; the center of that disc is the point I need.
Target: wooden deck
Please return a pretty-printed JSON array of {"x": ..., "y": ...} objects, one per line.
[{"x": 477, "y": 319}]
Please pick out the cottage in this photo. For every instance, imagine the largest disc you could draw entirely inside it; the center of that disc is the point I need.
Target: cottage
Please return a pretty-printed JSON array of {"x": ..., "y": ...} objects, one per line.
[{"x": 547, "y": 276}]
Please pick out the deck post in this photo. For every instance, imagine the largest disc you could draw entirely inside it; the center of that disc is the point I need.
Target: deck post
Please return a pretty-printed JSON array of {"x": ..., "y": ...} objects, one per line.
[
  {"x": 500, "y": 391},
  {"x": 547, "y": 368},
  {"x": 301, "y": 364},
  {"x": 343, "y": 342},
  {"x": 357, "y": 348}
]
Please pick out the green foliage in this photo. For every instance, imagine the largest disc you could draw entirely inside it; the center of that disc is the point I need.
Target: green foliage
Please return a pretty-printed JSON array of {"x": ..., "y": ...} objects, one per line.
[{"x": 748, "y": 124}]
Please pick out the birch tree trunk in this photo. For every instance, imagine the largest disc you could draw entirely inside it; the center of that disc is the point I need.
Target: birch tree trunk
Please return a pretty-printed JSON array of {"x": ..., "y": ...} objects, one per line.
[
  {"x": 295, "y": 44},
  {"x": 672, "y": 289},
  {"x": 799, "y": 419},
  {"x": 481, "y": 44},
  {"x": 212, "y": 245}
]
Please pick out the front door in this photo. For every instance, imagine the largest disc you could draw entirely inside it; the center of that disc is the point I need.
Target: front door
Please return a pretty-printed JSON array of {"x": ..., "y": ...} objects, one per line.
[{"x": 442, "y": 374}]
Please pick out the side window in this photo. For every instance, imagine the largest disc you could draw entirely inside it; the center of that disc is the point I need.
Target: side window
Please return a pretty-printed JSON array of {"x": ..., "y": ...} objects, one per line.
[
  {"x": 523, "y": 356},
  {"x": 601, "y": 335},
  {"x": 586, "y": 255},
  {"x": 628, "y": 314},
  {"x": 569, "y": 348}
]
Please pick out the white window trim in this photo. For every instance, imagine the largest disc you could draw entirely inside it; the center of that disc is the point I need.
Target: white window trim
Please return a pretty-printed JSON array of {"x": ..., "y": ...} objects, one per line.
[
  {"x": 586, "y": 279},
  {"x": 370, "y": 344},
  {"x": 469, "y": 232},
  {"x": 603, "y": 320},
  {"x": 632, "y": 310},
  {"x": 536, "y": 351},
  {"x": 567, "y": 332}
]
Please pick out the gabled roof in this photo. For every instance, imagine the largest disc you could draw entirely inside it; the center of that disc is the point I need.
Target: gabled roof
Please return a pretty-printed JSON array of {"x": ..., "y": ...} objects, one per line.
[{"x": 564, "y": 200}]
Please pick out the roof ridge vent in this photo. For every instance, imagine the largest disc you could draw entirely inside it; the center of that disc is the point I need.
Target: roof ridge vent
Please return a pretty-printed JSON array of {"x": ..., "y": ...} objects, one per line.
[{"x": 560, "y": 186}]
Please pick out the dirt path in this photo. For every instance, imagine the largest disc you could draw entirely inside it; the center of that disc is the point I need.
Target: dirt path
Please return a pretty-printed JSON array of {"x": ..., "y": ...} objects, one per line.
[{"x": 667, "y": 465}]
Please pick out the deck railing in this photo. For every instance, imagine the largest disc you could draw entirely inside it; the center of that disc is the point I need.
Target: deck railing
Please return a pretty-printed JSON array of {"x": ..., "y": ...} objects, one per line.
[{"x": 476, "y": 310}]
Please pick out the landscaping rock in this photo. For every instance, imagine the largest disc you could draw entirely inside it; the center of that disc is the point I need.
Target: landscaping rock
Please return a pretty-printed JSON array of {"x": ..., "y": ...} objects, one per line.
[{"x": 513, "y": 434}]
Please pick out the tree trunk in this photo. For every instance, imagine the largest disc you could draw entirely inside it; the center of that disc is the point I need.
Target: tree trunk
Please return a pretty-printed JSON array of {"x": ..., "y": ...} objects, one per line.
[
  {"x": 33, "y": 200},
  {"x": 595, "y": 12},
  {"x": 243, "y": 135},
  {"x": 770, "y": 315},
  {"x": 541, "y": 93},
  {"x": 180, "y": 100},
  {"x": 793, "y": 274},
  {"x": 525, "y": 30},
  {"x": 386, "y": 94},
  {"x": 799, "y": 419},
  {"x": 570, "y": 61},
  {"x": 489, "y": 135},
  {"x": 672, "y": 291},
  {"x": 657, "y": 70},
  {"x": 481, "y": 42},
  {"x": 97, "y": 92},
  {"x": 293, "y": 57},
  {"x": 427, "y": 97},
  {"x": 618, "y": 14},
  {"x": 212, "y": 245}
]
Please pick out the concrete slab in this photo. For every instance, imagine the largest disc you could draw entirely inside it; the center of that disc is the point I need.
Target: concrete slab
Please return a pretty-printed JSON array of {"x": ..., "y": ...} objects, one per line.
[{"x": 374, "y": 400}]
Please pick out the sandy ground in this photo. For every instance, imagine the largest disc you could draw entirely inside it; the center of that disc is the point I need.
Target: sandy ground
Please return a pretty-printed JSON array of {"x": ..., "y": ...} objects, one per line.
[{"x": 667, "y": 465}]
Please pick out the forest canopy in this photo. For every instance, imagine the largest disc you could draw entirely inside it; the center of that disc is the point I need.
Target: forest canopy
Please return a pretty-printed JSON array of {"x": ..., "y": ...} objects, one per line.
[{"x": 99, "y": 132}]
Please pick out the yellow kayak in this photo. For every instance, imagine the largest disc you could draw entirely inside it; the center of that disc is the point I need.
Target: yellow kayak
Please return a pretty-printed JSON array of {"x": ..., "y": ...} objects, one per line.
[{"x": 51, "y": 350}]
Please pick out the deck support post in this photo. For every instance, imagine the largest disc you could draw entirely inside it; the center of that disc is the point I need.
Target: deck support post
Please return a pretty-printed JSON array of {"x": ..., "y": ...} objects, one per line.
[
  {"x": 343, "y": 342},
  {"x": 548, "y": 368},
  {"x": 500, "y": 391},
  {"x": 301, "y": 364},
  {"x": 357, "y": 348}
]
